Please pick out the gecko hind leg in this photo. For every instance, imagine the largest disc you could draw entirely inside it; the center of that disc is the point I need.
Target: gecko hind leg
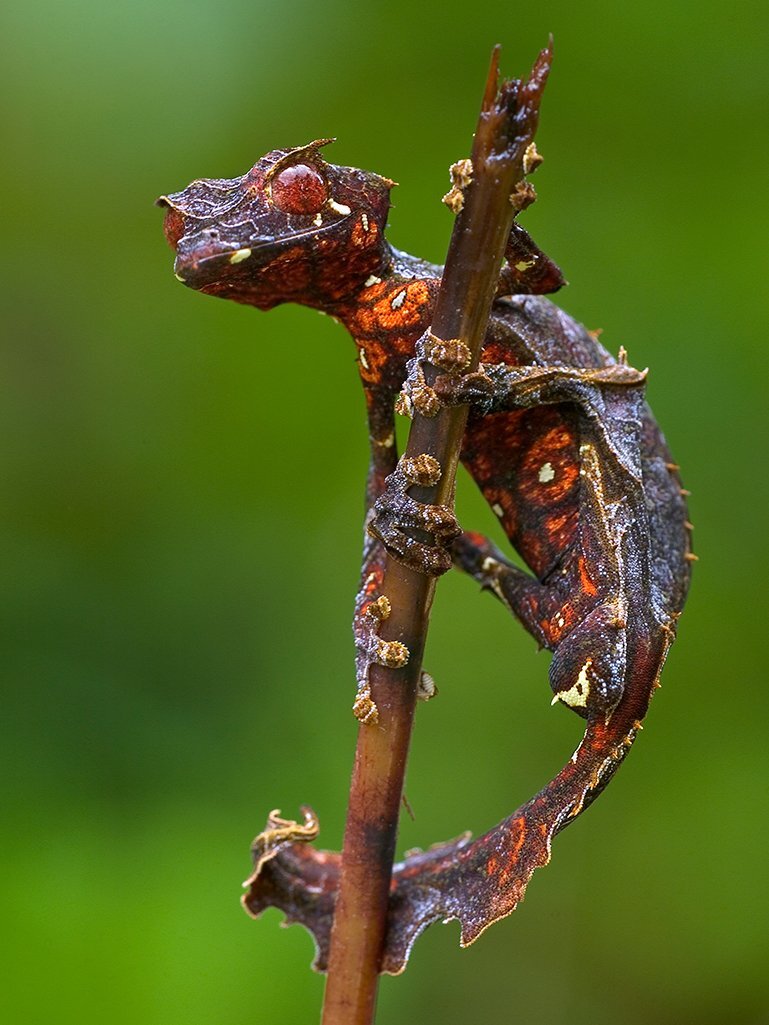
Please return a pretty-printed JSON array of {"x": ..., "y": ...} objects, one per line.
[
  {"x": 530, "y": 601},
  {"x": 610, "y": 397}
]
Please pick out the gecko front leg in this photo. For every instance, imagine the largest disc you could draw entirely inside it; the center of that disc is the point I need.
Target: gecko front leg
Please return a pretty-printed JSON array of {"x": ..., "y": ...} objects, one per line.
[
  {"x": 372, "y": 606},
  {"x": 399, "y": 519},
  {"x": 418, "y": 534}
]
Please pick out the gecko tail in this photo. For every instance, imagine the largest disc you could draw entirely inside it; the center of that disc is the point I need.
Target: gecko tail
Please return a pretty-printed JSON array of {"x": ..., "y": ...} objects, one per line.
[{"x": 477, "y": 882}]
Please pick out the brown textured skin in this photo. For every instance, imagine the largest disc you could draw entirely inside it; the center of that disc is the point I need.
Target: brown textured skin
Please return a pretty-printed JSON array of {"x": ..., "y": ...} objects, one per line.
[{"x": 565, "y": 451}]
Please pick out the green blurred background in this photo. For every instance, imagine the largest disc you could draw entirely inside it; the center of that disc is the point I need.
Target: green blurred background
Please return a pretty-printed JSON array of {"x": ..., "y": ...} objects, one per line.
[{"x": 183, "y": 486}]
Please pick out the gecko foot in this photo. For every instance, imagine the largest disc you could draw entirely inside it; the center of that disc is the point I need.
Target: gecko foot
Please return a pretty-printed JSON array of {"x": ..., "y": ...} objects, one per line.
[
  {"x": 396, "y": 514},
  {"x": 448, "y": 354}
]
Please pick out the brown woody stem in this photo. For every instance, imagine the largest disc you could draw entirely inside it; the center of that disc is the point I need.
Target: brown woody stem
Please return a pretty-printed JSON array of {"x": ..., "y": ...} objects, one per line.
[{"x": 506, "y": 127}]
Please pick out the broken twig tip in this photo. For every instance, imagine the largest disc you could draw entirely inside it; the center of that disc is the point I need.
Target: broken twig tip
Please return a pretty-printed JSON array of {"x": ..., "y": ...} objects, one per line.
[{"x": 540, "y": 70}]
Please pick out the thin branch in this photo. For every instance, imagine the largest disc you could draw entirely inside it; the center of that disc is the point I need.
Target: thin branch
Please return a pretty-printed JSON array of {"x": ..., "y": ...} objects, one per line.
[{"x": 487, "y": 206}]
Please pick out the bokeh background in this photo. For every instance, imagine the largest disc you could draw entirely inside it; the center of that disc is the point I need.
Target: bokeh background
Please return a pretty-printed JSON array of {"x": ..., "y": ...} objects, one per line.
[{"x": 182, "y": 506}]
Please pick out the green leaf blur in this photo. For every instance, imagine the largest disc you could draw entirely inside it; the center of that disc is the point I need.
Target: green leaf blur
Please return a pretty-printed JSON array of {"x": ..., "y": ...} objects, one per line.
[{"x": 183, "y": 483}]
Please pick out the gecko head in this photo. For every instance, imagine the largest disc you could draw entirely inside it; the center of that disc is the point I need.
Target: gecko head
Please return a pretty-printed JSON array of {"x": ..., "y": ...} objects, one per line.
[
  {"x": 589, "y": 665},
  {"x": 292, "y": 229}
]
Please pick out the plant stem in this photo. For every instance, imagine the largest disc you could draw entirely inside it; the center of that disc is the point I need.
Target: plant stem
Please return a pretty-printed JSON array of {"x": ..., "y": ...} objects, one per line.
[{"x": 506, "y": 127}]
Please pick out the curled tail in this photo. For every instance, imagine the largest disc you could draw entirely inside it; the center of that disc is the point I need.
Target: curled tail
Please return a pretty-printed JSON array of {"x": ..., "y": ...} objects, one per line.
[{"x": 475, "y": 881}]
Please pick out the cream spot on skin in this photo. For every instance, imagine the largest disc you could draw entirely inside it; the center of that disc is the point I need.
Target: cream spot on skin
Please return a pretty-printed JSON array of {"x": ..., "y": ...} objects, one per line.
[
  {"x": 546, "y": 473},
  {"x": 340, "y": 208},
  {"x": 317, "y": 220},
  {"x": 387, "y": 442},
  {"x": 372, "y": 280},
  {"x": 363, "y": 360},
  {"x": 364, "y": 221},
  {"x": 524, "y": 264},
  {"x": 497, "y": 508},
  {"x": 576, "y": 696},
  {"x": 240, "y": 255},
  {"x": 397, "y": 301}
]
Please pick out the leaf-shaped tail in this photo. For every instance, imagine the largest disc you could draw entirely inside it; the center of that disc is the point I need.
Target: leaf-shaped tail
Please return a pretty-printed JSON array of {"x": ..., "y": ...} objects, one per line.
[{"x": 475, "y": 881}]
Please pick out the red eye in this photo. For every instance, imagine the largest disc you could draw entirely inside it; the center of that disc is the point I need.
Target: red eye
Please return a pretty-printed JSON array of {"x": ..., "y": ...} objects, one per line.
[
  {"x": 173, "y": 227},
  {"x": 299, "y": 190}
]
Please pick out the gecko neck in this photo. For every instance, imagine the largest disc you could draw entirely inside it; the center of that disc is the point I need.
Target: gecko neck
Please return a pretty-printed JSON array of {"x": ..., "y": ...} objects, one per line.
[{"x": 399, "y": 269}]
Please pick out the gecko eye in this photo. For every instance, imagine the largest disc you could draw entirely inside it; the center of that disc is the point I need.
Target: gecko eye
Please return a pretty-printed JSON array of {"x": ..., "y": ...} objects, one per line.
[
  {"x": 299, "y": 190},
  {"x": 173, "y": 227}
]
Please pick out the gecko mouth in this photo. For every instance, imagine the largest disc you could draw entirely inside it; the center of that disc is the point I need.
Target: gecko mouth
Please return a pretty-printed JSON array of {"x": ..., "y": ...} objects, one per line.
[{"x": 203, "y": 259}]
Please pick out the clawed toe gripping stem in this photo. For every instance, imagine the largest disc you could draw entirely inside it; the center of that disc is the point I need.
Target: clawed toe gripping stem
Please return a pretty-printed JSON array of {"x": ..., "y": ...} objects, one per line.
[{"x": 417, "y": 534}]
